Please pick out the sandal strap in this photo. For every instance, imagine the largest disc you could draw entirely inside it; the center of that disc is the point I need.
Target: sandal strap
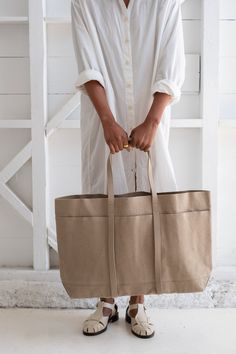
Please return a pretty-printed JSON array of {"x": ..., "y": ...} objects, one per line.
[
  {"x": 135, "y": 306},
  {"x": 106, "y": 304}
]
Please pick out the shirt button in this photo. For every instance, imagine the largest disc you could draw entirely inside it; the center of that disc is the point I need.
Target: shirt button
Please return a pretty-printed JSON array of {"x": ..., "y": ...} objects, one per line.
[
  {"x": 127, "y": 40},
  {"x": 128, "y": 85},
  {"x": 127, "y": 62},
  {"x": 130, "y": 107}
]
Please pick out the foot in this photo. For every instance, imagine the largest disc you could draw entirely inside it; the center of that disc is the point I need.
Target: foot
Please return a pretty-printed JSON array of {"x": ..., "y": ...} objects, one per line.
[
  {"x": 96, "y": 322},
  {"x": 141, "y": 325},
  {"x": 135, "y": 299}
]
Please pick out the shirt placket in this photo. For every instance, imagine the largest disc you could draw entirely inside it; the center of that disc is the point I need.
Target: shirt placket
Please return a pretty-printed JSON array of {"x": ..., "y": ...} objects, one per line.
[{"x": 129, "y": 87}]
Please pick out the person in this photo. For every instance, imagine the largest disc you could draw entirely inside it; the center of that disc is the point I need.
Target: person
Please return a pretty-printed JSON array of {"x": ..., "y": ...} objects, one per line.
[{"x": 131, "y": 67}]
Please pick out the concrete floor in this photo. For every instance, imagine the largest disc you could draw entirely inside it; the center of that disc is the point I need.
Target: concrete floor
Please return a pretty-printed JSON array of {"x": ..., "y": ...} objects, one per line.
[{"x": 178, "y": 331}]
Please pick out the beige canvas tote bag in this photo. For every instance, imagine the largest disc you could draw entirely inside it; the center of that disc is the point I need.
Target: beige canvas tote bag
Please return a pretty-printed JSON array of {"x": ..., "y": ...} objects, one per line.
[{"x": 134, "y": 243}]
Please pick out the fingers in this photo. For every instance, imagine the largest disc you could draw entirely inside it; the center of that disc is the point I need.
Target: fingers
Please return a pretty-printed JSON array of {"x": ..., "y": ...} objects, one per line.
[
  {"x": 144, "y": 146},
  {"x": 112, "y": 149},
  {"x": 118, "y": 145}
]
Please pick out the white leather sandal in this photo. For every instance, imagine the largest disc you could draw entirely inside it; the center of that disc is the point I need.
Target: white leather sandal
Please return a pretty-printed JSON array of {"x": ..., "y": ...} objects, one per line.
[
  {"x": 140, "y": 324},
  {"x": 96, "y": 322}
]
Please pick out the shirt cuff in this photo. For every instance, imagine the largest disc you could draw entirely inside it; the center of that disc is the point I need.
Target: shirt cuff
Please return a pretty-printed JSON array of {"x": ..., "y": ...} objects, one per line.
[
  {"x": 168, "y": 87},
  {"x": 87, "y": 75}
]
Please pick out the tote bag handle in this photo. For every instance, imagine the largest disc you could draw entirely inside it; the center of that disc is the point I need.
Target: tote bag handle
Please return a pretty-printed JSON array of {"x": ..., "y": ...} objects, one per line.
[{"x": 111, "y": 227}]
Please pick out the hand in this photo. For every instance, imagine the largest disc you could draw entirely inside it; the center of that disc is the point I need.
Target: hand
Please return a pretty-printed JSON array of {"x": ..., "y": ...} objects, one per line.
[
  {"x": 115, "y": 136},
  {"x": 142, "y": 136}
]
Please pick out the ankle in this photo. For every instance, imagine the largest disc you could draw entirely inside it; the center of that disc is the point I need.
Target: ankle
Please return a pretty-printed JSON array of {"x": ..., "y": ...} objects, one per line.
[
  {"x": 110, "y": 300},
  {"x": 136, "y": 299}
]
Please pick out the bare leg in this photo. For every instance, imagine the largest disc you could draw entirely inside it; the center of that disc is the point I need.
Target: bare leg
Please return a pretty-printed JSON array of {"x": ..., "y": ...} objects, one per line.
[
  {"x": 106, "y": 311},
  {"x": 134, "y": 299}
]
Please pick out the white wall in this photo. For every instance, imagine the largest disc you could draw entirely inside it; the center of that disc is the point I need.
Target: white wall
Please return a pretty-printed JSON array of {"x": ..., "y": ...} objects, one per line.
[
  {"x": 227, "y": 135},
  {"x": 16, "y": 247}
]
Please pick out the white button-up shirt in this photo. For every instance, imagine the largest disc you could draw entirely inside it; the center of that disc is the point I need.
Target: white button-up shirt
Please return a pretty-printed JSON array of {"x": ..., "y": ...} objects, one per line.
[{"x": 132, "y": 52}]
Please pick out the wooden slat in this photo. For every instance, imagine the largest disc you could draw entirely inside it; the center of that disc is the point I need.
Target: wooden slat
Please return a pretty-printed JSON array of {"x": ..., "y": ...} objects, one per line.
[
  {"x": 186, "y": 123},
  {"x": 15, "y": 252},
  {"x": 59, "y": 40},
  {"x": 14, "y": 20},
  {"x": 191, "y": 9},
  {"x": 38, "y": 75},
  {"x": 192, "y": 36},
  {"x": 187, "y": 107},
  {"x": 15, "y": 8},
  {"x": 192, "y": 80},
  {"x": 227, "y": 75},
  {"x": 14, "y": 73},
  {"x": 15, "y": 123},
  {"x": 57, "y": 20},
  {"x": 227, "y": 106},
  {"x": 56, "y": 8},
  {"x": 20, "y": 109},
  {"x": 228, "y": 9},
  {"x": 14, "y": 40},
  {"x": 227, "y": 38}
]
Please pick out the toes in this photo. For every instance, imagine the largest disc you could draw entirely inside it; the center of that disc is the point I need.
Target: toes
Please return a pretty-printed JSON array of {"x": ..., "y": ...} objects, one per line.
[{"x": 96, "y": 327}]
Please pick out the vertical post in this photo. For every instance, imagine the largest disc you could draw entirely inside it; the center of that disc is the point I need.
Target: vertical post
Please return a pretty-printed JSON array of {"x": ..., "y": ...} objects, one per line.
[
  {"x": 210, "y": 107},
  {"x": 38, "y": 80}
]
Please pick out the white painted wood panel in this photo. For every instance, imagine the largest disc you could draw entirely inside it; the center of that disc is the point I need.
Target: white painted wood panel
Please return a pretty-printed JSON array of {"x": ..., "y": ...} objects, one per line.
[
  {"x": 228, "y": 75},
  {"x": 227, "y": 9},
  {"x": 64, "y": 166},
  {"x": 15, "y": 252},
  {"x": 210, "y": 110},
  {"x": 192, "y": 36},
  {"x": 184, "y": 144},
  {"x": 57, "y": 8},
  {"x": 191, "y": 9},
  {"x": 228, "y": 106},
  {"x": 14, "y": 74},
  {"x": 227, "y": 135},
  {"x": 227, "y": 64},
  {"x": 14, "y": 41},
  {"x": 188, "y": 107},
  {"x": 227, "y": 38},
  {"x": 19, "y": 110},
  {"x": 13, "y": 7},
  {"x": 227, "y": 197},
  {"x": 57, "y": 101},
  {"x": 59, "y": 40}
]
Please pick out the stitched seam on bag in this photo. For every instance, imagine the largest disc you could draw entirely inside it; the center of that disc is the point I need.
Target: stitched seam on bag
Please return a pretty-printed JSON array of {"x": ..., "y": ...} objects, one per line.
[{"x": 120, "y": 216}]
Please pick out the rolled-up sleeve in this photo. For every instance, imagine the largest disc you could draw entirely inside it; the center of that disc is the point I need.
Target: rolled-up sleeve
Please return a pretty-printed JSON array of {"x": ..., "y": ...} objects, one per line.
[
  {"x": 86, "y": 56},
  {"x": 170, "y": 69}
]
